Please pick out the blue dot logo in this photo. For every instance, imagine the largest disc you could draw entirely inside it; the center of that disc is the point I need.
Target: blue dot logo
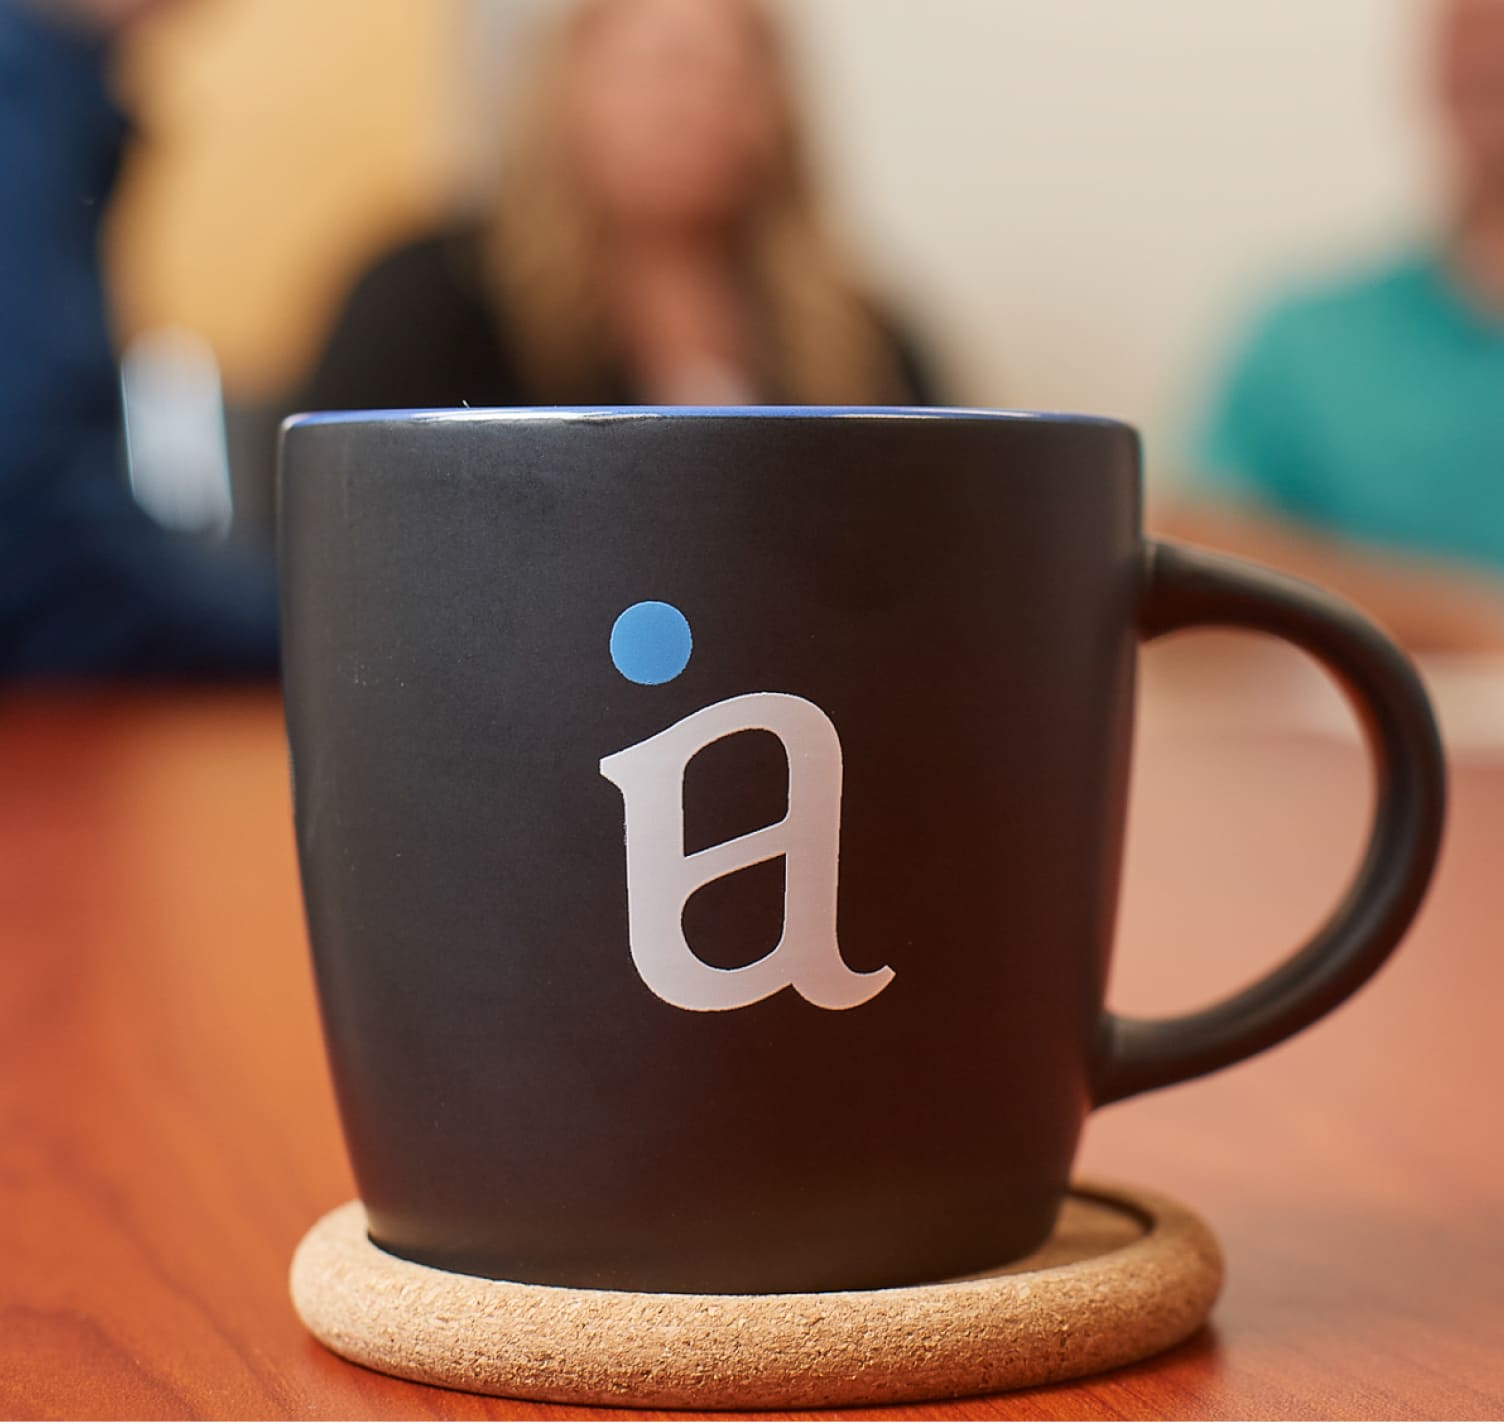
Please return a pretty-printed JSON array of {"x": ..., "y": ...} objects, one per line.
[{"x": 651, "y": 642}]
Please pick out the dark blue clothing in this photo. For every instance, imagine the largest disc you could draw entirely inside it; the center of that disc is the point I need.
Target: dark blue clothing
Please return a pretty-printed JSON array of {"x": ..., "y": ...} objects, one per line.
[{"x": 89, "y": 585}]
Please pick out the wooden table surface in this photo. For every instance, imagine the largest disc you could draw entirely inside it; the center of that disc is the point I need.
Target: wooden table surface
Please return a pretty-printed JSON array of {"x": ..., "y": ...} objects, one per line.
[{"x": 167, "y": 1131}]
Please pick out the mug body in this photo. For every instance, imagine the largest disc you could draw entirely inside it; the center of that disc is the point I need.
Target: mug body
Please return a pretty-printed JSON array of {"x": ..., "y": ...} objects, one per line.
[{"x": 709, "y": 825}]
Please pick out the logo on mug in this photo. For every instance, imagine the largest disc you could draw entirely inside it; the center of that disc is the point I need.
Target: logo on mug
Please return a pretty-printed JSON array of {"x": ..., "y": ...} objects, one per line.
[{"x": 651, "y": 644}]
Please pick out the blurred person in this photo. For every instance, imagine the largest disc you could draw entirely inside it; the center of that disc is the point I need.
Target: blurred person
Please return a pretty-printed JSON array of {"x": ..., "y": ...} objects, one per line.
[
  {"x": 89, "y": 585},
  {"x": 657, "y": 239},
  {"x": 1359, "y": 438}
]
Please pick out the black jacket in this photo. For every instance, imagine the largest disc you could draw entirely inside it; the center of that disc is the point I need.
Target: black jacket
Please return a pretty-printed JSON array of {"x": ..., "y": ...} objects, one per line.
[{"x": 421, "y": 329}]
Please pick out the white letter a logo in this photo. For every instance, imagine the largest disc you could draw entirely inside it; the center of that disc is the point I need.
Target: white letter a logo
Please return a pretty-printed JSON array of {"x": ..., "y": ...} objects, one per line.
[{"x": 660, "y": 878}]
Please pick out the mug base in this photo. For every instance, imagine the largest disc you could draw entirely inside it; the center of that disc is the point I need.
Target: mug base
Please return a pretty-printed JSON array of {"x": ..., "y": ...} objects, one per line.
[{"x": 1124, "y": 1275}]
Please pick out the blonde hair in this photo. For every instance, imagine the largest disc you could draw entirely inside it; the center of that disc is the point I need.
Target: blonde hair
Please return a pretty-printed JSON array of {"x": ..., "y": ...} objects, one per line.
[{"x": 819, "y": 340}]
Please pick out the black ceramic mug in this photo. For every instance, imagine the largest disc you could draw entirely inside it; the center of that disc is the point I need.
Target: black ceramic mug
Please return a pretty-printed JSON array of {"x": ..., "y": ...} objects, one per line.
[{"x": 710, "y": 826}]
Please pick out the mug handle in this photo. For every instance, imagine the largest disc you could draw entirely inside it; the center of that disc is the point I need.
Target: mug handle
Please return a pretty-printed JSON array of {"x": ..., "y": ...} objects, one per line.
[{"x": 1186, "y": 588}]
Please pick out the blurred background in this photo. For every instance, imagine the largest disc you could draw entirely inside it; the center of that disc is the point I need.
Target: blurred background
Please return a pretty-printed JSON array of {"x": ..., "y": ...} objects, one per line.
[
  {"x": 1076, "y": 202},
  {"x": 1271, "y": 236}
]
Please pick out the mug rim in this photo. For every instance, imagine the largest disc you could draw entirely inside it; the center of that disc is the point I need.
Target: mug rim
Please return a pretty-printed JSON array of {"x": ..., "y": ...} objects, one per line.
[{"x": 488, "y": 415}]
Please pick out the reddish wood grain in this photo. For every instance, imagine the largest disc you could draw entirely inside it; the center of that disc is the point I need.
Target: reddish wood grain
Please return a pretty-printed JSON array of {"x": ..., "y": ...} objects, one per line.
[{"x": 167, "y": 1134}]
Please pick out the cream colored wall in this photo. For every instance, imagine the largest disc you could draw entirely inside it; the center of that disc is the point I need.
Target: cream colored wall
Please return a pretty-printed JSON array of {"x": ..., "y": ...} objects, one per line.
[{"x": 1085, "y": 194}]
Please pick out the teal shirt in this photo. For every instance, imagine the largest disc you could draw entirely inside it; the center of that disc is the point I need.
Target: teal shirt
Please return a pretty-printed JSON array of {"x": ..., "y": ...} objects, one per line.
[{"x": 1372, "y": 410}]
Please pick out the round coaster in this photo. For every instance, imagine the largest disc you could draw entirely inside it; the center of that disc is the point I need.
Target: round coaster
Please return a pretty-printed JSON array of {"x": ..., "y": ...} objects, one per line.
[{"x": 1125, "y": 1274}]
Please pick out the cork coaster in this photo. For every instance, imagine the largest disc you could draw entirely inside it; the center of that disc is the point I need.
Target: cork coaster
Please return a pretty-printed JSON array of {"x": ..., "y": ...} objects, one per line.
[{"x": 1125, "y": 1274}]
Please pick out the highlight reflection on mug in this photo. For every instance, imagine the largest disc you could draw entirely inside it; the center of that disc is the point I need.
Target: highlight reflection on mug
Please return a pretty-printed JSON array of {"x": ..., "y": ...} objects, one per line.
[{"x": 651, "y": 643}]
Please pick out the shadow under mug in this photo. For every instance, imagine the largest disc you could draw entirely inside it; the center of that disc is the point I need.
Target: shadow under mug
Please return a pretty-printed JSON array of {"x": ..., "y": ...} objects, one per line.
[{"x": 710, "y": 826}]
